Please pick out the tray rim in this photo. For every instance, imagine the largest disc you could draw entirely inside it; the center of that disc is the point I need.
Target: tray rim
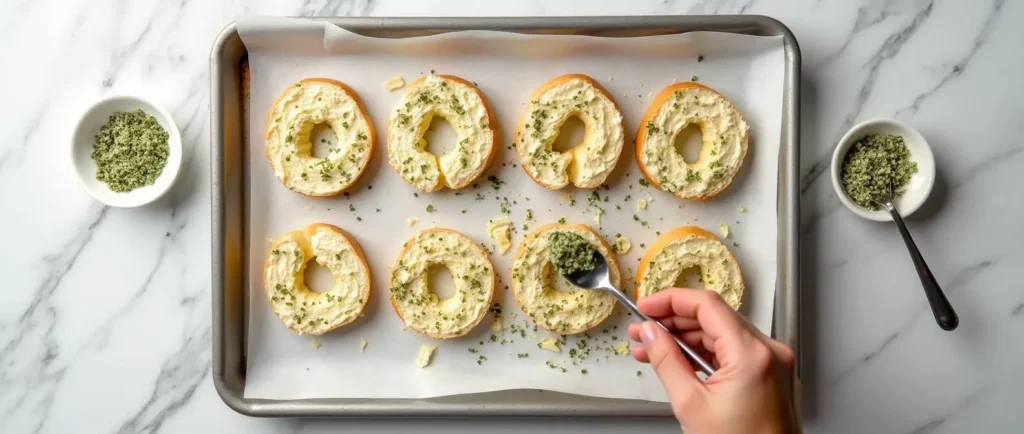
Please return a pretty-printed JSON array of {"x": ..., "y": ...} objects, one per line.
[{"x": 785, "y": 324}]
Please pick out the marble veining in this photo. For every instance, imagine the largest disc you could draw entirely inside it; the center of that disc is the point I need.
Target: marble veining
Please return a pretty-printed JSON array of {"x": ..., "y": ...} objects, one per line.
[{"x": 105, "y": 319}]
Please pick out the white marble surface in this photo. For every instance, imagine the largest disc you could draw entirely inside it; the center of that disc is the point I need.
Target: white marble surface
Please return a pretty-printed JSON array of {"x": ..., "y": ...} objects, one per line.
[{"x": 105, "y": 313}]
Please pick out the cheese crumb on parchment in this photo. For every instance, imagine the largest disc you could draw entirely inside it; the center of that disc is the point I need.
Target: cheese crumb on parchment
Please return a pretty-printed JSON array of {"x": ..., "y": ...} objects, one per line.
[
  {"x": 622, "y": 245},
  {"x": 550, "y": 344},
  {"x": 641, "y": 204},
  {"x": 500, "y": 230},
  {"x": 622, "y": 348},
  {"x": 497, "y": 327},
  {"x": 423, "y": 358},
  {"x": 394, "y": 83},
  {"x": 315, "y": 344},
  {"x": 412, "y": 221},
  {"x": 724, "y": 227},
  {"x": 362, "y": 345}
]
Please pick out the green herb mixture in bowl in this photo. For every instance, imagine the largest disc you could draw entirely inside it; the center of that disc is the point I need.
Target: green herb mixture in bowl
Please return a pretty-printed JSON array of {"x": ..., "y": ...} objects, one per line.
[
  {"x": 876, "y": 154},
  {"x": 126, "y": 151}
]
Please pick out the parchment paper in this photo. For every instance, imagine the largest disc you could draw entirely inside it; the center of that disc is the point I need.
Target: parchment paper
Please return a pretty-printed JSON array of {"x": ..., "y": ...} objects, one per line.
[{"x": 507, "y": 67}]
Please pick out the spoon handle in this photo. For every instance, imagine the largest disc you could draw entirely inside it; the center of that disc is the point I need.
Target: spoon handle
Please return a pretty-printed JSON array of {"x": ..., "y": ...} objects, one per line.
[
  {"x": 690, "y": 354},
  {"x": 944, "y": 314}
]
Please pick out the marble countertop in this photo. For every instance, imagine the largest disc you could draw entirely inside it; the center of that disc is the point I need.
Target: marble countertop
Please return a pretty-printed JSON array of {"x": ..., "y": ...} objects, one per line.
[{"x": 105, "y": 317}]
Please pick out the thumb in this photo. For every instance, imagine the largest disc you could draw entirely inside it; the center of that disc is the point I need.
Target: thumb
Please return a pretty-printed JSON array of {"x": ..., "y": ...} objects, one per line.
[{"x": 674, "y": 371}]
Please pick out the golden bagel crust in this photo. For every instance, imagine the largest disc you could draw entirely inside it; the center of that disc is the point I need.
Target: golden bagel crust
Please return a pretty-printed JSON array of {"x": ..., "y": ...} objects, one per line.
[
  {"x": 593, "y": 297},
  {"x": 361, "y": 113},
  {"x": 527, "y": 162},
  {"x": 298, "y": 294},
  {"x": 396, "y": 303},
  {"x": 682, "y": 233},
  {"x": 492, "y": 126},
  {"x": 664, "y": 97}
]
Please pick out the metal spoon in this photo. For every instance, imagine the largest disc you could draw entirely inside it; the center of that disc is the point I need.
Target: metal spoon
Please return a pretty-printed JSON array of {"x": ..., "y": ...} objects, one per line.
[
  {"x": 944, "y": 314},
  {"x": 599, "y": 279}
]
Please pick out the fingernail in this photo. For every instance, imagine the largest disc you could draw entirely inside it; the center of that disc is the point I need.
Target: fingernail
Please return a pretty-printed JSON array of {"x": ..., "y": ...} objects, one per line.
[{"x": 647, "y": 332}]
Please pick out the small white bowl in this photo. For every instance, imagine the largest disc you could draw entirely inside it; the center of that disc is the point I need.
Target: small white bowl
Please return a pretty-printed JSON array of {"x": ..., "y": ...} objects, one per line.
[
  {"x": 920, "y": 185},
  {"x": 82, "y": 143}
]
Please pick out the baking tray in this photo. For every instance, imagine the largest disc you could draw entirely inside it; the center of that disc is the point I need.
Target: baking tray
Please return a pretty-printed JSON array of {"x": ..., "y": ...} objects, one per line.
[{"x": 229, "y": 174}]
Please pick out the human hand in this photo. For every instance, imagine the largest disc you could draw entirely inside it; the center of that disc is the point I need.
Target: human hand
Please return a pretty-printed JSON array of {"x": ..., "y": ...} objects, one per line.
[{"x": 752, "y": 388}]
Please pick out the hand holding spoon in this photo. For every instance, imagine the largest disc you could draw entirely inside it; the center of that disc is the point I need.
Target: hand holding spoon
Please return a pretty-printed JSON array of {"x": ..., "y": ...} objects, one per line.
[{"x": 598, "y": 279}]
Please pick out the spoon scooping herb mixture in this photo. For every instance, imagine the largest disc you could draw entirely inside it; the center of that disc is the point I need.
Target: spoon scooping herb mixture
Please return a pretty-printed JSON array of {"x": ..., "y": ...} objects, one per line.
[
  {"x": 570, "y": 252},
  {"x": 130, "y": 151},
  {"x": 872, "y": 164}
]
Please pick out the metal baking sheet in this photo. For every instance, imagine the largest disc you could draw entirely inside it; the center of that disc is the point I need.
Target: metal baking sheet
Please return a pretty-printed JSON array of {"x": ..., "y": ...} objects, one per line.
[{"x": 229, "y": 169}]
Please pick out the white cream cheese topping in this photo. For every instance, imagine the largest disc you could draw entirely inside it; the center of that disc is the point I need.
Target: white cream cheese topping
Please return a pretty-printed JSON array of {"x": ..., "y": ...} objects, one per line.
[
  {"x": 473, "y": 277},
  {"x": 464, "y": 108},
  {"x": 718, "y": 268},
  {"x": 558, "y": 311},
  {"x": 586, "y": 165},
  {"x": 723, "y": 133},
  {"x": 288, "y": 144},
  {"x": 302, "y": 309}
]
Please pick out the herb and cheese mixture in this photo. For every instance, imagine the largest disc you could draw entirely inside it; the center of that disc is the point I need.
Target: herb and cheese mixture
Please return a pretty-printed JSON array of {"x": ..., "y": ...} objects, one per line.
[
  {"x": 723, "y": 136},
  {"x": 289, "y": 126},
  {"x": 687, "y": 247},
  {"x": 570, "y": 253},
  {"x": 464, "y": 107},
  {"x": 130, "y": 151},
  {"x": 873, "y": 164},
  {"x": 586, "y": 165},
  {"x": 302, "y": 309},
  {"x": 564, "y": 312},
  {"x": 474, "y": 280}
]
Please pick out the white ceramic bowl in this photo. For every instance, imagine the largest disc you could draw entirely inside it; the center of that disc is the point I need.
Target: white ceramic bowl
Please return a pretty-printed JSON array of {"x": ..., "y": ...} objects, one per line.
[
  {"x": 920, "y": 185},
  {"x": 82, "y": 143}
]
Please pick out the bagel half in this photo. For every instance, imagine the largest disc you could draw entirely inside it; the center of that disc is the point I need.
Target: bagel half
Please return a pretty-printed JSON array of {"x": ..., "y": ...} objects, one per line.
[
  {"x": 723, "y": 133},
  {"x": 586, "y": 165},
  {"x": 419, "y": 307},
  {"x": 685, "y": 247},
  {"x": 464, "y": 107},
  {"x": 288, "y": 147},
  {"x": 558, "y": 311},
  {"x": 298, "y": 307}
]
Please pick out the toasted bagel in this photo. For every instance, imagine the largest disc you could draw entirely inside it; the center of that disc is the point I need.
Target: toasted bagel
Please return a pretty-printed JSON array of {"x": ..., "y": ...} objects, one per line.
[
  {"x": 724, "y": 137},
  {"x": 288, "y": 147},
  {"x": 298, "y": 307}
]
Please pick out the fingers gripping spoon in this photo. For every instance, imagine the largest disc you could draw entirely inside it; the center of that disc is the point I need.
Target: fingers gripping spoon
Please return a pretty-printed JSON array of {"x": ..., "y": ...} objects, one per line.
[{"x": 598, "y": 279}]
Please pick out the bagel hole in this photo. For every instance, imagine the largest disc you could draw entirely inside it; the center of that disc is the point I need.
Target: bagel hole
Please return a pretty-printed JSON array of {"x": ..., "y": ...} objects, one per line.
[
  {"x": 318, "y": 278},
  {"x": 690, "y": 278},
  {"x": 688, "y": 143},
  {"x": 570, "y": 134},
  {"x": 557, "y": 282},
  {"x": 440, "y": 136},
  {"x": 323, "y": 140},
  {"x": 440, "y": 281}
]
